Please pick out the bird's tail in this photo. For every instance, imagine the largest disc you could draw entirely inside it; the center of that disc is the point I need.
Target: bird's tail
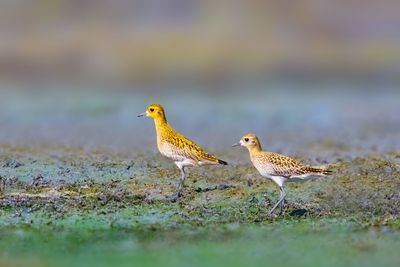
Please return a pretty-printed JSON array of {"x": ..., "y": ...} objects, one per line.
[
  {"x": 222, "y": 162},
  {"x": 316, "y": 170},
  {"x": 210, "y": 159}
]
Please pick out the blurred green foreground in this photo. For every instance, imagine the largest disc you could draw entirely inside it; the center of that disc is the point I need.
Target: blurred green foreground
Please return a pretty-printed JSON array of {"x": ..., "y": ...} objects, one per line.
[{"x": 304, "y": 243}]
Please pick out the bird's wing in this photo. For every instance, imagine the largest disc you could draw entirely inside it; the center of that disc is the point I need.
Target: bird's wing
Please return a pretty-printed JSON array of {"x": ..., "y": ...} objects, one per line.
[
  {"x": 285, "y": 166},
  {"x": 185, "y": 148}
]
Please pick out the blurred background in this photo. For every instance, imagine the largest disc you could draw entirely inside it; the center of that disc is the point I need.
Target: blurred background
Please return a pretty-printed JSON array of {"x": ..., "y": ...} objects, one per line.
[{"x": 76, "y": 72}]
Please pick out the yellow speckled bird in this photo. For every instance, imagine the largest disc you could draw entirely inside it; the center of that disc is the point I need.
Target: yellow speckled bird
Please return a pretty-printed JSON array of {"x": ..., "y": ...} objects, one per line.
[
  {"x": 277, "y": 167},
  {"x": 177, "y": 147}
]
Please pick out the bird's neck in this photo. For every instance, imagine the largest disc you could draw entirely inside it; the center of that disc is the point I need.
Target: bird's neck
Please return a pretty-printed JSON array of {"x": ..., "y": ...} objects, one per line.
[
  {"x": 254, "y": 150},
  {"x": 161, "y": 125}
]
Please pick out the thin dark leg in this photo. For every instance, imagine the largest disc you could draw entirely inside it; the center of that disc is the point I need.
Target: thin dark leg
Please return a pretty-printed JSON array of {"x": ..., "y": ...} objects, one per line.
[
  {"x": 179, "y": 189},
  {"x": 282, "y": 206},
  {"x": 181, "y": 181},
  {"x": 282, "y": 198}
]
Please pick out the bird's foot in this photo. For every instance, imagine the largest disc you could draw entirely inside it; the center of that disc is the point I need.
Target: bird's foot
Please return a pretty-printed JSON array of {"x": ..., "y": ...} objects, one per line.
[
  {"x": 281, "y": 211},
  {"x": 174, "y": 197},
  {"x": 272, "y": 215}
]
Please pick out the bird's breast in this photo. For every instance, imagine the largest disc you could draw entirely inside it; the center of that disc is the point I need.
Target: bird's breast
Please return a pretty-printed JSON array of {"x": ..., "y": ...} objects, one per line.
[
  {"x": 169, "y": 150},
  {"x": 264, "y": 168}
]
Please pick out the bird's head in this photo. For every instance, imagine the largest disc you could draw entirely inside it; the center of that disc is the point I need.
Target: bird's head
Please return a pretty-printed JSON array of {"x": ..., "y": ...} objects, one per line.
[
  {"x": 155, "y": 111},
  {"x": 250, "y": 141}
]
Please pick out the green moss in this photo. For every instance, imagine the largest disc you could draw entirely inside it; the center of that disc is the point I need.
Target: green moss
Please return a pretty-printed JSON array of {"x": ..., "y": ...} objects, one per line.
[
  {"x": 61, "y": 201},
  {"x": 363, "y": 189},
  {"x": 290, "y": 243}
]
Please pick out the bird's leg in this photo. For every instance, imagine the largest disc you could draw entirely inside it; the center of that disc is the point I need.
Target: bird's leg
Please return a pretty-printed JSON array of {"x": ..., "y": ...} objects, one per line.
[
  {"x": 181, "y": 181},
  {"x": 179, "y": 190},
  {"x": 282, "y": 198}
]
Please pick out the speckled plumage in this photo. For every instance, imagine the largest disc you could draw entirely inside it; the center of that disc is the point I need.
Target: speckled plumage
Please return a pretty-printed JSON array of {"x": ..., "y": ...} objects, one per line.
[
  {"x": 179, "y": 148},
  {"x": 279, "y": 168},
  {"x": 280, "y": 165},
  {"x": 170, "y": 143}
]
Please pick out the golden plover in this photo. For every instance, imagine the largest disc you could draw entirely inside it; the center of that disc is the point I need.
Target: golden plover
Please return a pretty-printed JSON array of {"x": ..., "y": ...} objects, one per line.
[
  {"x": 177, "y": 147},
  {"x": 277, "y": 167}
]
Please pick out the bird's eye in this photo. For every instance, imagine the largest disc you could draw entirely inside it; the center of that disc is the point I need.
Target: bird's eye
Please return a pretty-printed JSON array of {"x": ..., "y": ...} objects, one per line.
[
  {"x": 246, "y": 139},
  {"x": 152, "y": 109}
]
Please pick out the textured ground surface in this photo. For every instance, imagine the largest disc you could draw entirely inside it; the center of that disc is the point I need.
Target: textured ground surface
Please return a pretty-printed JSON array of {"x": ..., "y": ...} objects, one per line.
[{"x": 81, "y": 182}]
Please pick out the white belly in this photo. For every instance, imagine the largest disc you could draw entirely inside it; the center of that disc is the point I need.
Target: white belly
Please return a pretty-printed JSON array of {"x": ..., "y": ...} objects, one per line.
[
  {"x": 265, "y": 170},
  {"x": 169, "y": 151},
  {"x": 279, "y": 180}
]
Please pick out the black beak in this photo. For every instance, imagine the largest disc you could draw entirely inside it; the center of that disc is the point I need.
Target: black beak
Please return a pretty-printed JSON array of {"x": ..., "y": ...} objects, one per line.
[{"x": 142, "y": 114}]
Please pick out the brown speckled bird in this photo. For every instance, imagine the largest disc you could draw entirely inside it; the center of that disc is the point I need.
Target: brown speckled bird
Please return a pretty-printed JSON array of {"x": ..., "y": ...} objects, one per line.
[
  {"x": 177, "y": 147},
  {"x": 277, "y": 167}
]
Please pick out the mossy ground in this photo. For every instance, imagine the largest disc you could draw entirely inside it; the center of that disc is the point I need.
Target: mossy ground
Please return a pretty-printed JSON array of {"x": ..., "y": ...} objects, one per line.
[
  {"x": 299, "y": 243},
  {"x": 60, "y": 182},
  {"x": 101, "y": 206},
  {"x": 79, "y": 188}
]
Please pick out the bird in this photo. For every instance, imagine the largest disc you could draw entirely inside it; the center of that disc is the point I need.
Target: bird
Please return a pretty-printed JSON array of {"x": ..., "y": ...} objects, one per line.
[
  {"x": 277, "y": 167},
  {"x": 173, "y": 145}
]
